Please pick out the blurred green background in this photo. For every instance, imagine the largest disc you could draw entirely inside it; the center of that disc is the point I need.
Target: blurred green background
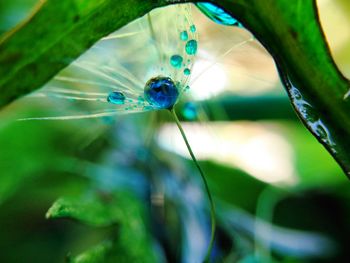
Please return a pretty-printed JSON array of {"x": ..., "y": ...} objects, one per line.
[{"x": 134, "y": 194}]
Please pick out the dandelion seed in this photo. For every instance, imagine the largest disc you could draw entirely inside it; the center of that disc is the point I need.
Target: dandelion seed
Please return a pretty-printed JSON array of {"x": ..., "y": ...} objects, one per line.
[{"x": 144, "y": 66}]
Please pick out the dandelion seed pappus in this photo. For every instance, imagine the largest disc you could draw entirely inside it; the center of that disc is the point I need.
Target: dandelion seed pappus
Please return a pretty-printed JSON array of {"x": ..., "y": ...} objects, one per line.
[
  {"x": 126, "y": 72},
  {"x": 145, "y": 66}
]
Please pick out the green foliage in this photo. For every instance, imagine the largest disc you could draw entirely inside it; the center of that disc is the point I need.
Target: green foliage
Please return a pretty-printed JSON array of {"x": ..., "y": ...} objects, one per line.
[
  {"x": 93, "y": 211},
  {"x": 131, "y": 243},
  {"x": 100, "y": 253},
  {"x": 291, "y": 32},
  {"x": 62, "y": 30}
]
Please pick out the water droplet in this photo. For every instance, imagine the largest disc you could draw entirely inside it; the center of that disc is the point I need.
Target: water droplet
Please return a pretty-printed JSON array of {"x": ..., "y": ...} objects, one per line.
[
  {"x": 148, "y": 107},
  {"x": 218, "y": 15},
  {"x": 176, "y": 61},
  {"x": 161, "y": 92},
  {"x": 191, "y": 47},
  {"x": 309, "y": 113},
  {"x": 187, "y": 71},
  {"x": 311, "y": 117},
  {"x": 193, "y": 28},
  {"x": 140, "y": 100},
  {"x": 184, "y": 36},
  {"x": 116, "y": 97},
  {"x": 295, "y": 94},
  {"x": 187, "y": 88},
  {"x": 321, "y": 132},
  {"x": 189, "y": 111}
]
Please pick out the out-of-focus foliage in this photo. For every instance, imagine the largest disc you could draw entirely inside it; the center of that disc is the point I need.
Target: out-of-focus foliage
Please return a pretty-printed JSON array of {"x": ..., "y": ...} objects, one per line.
[{"x": 109, "y": 210}]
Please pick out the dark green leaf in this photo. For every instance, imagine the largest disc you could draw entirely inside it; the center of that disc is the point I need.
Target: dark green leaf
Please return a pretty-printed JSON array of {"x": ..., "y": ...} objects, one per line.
[
  {"x": 291, "y": 32},
  {"x": 99, "y": 253},
  {"x": 96, "y": 210},
  {"x": 132, "y": 243},
  {"x": 56, "y": 34}
]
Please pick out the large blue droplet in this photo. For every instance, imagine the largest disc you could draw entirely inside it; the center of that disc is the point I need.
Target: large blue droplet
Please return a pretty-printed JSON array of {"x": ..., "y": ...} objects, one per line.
[
  {"x": 191, "y": 47},
  {"x": 161, "y": 92},
  {"x": 116, "y": 97},
  {"x": 218, "y": 15},
  {"x": 176, "y": 61}
]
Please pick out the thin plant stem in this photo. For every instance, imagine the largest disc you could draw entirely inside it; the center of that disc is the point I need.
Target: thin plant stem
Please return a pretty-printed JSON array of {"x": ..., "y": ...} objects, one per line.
[{"x": 212, "y": 207}]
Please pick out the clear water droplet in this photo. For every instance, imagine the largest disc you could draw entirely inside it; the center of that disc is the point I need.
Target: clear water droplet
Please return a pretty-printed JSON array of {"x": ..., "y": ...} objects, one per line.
[
  {"x": 116, "y": 97},
  {"x": 193, "y": 28},
  {"x": 187, "y": 71},
  {"x": 218, "y": 15},
  {"x": 140, "y": 100},
  {"x": 312, "y": 118},
  {"x": 321, "y": 132},
  {"x": 161, "y": 92},
  {"x": 184, "y": 36},
  {"x": 176, "y": 61},
  {"x": 148, "y": 107},
  {"x": 309, "y": 113},
  {"x": 191, "y": 47}
]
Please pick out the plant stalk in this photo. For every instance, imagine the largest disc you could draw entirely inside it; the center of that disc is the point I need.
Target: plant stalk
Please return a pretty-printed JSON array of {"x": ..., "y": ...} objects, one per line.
[{"x": 212, "y": 207}]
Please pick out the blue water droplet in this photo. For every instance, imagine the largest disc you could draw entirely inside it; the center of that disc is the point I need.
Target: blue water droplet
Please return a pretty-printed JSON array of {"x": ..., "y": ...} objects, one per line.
[
  {"x": 161, "y": 92},
  {"x": 116, "y": 97},
  {"x": 189, "y": 111},
  {"x": 218, "y": 15},
  {"x": 193, "y": 28},
  {"x": 148, "y": 107},
  {"x": 184, "y": 36},
  {"x": 191, "y": 47},
  {"x": 187, "y": 71},
  {"x": 140, "y": 100},
  {"x": 176, "y": 61}
]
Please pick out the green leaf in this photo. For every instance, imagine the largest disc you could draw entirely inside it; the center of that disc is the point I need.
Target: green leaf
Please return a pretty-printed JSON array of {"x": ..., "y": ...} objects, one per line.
[
  {"x": 54, "y": 35},
  {"x": 96, "y": 210},
  {"x": 291, "y": 32},
  {"x": 99, "y": 253},
  {"x": 91, "y": 211},
  {"x": 132, "y": 243}
]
